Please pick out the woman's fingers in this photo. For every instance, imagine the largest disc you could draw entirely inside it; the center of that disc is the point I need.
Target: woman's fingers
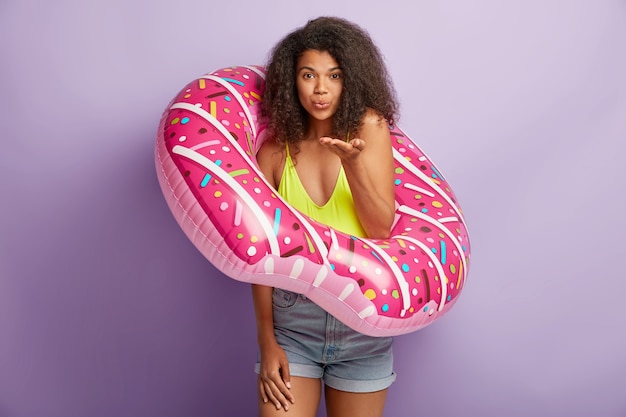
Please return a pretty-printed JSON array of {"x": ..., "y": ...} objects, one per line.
[
  {"x": 274, "y": 377},
  {"x": 274, "y": 386},
  {"x": 273, "y": 394},
  {"x": 286, "y": 377},
  {"x": 276, "y": 395},
  {"x": 344, "y": 150},
  {"x": 262, "y": 393},
  {"x": 358, "y": 144}
]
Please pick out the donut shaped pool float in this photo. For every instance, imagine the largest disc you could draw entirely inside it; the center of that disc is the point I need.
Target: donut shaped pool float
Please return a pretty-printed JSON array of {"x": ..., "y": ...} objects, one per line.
[{"x": 205, "y": 158}]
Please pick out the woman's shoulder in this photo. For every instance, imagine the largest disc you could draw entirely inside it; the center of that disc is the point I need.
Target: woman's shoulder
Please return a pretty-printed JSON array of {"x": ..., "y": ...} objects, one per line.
[
  {"x": 373, "y": 122},
  {"x": 269, "y": 147},
  {"x": 271, "y": 159}
]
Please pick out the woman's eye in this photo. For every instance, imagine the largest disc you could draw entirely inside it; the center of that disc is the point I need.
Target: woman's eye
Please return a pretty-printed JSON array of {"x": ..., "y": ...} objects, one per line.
[
  {"x": 335, "y": 76},
  {"x": 308, "y": 75}
]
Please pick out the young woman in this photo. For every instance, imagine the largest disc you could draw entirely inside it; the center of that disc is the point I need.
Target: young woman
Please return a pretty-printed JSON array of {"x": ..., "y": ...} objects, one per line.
[{"x": 329, "y": 103}]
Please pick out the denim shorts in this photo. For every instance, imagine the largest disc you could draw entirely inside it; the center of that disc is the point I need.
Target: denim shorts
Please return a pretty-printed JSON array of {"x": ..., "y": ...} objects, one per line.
[{"x": 320, "y": 346}]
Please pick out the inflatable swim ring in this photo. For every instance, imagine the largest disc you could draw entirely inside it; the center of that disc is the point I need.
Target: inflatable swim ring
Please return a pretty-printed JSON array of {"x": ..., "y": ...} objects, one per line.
[{"x": 205, "y": 158}]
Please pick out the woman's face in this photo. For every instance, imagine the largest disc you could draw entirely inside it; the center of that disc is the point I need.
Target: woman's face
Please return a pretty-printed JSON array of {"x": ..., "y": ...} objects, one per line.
[{"x": 319, "y": 81}]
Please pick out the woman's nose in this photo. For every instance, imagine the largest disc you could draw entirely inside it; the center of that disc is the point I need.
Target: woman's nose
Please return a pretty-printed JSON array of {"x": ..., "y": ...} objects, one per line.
[{"x": 320, "y": 87}]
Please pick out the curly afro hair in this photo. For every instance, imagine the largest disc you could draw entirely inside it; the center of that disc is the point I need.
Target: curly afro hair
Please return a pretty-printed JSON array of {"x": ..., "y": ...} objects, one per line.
[{"x": 366, "y": 82}]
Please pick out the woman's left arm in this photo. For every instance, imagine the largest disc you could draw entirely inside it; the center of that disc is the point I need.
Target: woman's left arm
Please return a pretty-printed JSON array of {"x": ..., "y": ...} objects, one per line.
[{"x": 368, "y": 164}]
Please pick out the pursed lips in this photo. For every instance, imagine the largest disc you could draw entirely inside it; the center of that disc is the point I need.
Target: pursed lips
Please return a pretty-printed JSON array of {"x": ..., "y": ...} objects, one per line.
[{"x": 321, "y": 104}]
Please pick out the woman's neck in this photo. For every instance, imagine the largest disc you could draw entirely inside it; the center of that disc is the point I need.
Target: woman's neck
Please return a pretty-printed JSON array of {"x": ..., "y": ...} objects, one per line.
[{"x": 318, "y": 128}]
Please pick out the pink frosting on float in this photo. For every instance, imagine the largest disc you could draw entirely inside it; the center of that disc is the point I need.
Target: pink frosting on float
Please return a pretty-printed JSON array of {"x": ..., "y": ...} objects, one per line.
[{"x": 206, "y": 143}]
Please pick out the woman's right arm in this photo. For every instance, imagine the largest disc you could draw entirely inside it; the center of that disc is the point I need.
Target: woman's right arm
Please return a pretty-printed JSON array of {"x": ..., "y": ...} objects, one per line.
[{"x": 274, "y": 379}]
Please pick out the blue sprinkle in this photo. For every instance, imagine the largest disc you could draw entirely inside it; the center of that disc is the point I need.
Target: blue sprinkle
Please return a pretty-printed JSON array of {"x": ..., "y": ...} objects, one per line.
[
  {"x": 433, "y": 250},
  {"x": 218, "y": 162},
  {"x": 385, "y": 308},
  {"x": 332, "y": 266},
  {"x": 434, "y": 175},
  {"x": 449, "y": 297},
  {"x": 464, "y": 248},
  {"x": 437, "y": 172},
  {"x": 227, "y": 98},
  {"x": 205, "y": 180},
  {"x": 425, "y": 309},
  {"x": 377, "y": 257},
  {"x": 230, "y": 80},
  {"x": 397, "y": 181},
  {"x": 424, "y": 210},
  {"x": 184, "y": 120},
  {"x": 276, "y": 221},
  {"x": 443, "y": 252},
  {"x": 405, "y": 268}
]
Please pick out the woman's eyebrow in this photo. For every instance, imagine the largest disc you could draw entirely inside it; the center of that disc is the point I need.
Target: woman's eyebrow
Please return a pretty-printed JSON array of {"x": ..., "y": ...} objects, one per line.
[{"x": 306, "y": 67}]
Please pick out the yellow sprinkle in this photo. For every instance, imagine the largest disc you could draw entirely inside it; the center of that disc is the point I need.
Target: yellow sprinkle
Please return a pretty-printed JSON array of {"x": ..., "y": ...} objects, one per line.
[
  {"x": 202, "y": 83},
  {"x": 437, "y": 204},
  {"x": 310, "y": 244},
  {"x": 255, "y": 95},
  {"x": 253, "y": 239},
  {"x": 213, "y": 109},
  {"x": 217, "y": 194},
  {"x": 370, "y": 294}
]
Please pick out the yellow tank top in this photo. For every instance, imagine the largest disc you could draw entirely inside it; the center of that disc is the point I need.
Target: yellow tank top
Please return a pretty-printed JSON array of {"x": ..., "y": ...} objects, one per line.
[{"x": 338, "y": 212}]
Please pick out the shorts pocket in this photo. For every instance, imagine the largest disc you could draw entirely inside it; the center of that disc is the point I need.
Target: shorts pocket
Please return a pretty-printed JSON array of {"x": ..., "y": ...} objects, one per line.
[{"x": 284, "y": 300}]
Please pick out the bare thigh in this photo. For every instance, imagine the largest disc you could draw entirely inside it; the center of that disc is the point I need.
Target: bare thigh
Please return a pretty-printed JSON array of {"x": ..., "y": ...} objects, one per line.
[
  {"x": 350, "y": 404},
  {"x": 306, "y": 392}
]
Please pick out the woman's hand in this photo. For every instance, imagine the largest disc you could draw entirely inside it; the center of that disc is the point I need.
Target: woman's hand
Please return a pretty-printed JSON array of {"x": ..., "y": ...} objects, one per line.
[
  {"x": 274, "y": 379},
  {"x": 344, "y": 150}
]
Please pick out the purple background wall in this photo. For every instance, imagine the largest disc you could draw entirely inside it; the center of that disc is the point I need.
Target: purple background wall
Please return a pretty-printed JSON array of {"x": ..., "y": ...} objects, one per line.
[{"x": 107, "y": 310}]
